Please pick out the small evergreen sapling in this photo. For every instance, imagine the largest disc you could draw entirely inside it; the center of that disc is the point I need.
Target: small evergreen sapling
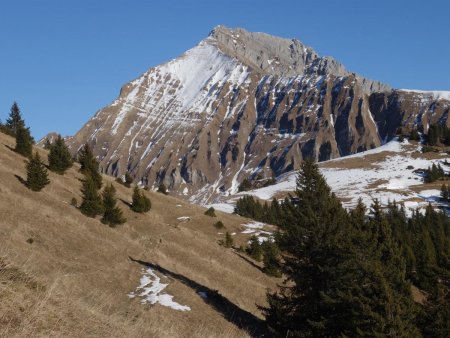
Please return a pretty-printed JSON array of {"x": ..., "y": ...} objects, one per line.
[
  {"x": 254, "y": 249},
  {"x": 210, "y": 212},
  {"x": 128, "y": 180},
  {"x": 14, "y": 121},
  {"x": 89, "y": 165},
  {"x": 59, "y": 158},
  {"x": 112, "y": 215},
  {"x": 228, "y": 240},
  {"x": 24, "y": 141},
  {"x": 91, "y": 204},
  {"x": 141, "y": 203},
  {"x": 37, "y": 175},
  {"x": 162, "y": 189}
]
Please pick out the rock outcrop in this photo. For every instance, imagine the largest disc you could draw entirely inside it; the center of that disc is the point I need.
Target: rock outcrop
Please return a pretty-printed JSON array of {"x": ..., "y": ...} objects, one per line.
[{"x": 242, "y": 104}]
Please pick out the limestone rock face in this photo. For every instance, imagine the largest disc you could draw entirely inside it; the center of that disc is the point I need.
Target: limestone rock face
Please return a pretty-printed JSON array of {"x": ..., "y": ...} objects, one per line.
[{"x": 242, "y": 104}]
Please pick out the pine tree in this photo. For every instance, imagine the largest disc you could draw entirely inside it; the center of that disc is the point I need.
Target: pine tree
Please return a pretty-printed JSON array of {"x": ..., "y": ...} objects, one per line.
[
  {"x": 14, "y": 121},
  {"x": 91, "y": 204},
  {"x": 444, "y": 192},
  {"x": 271, "y": 259},
  {"x": 162, "y": 188},
  {"x": 24, "y": 141},
  {"x": 341, "y": 270},
  {"x": 37, "y": 175},
  {"x": 89, "y": 165},
  {"x": 128, "y": 179},
  {"x": 59, "y": 158},
  {"x": 254, "y": 249},
  {"x": 112, "y": 215},
  {"x": 228, "y": 243},
  {"x": 140, "y": 203}
]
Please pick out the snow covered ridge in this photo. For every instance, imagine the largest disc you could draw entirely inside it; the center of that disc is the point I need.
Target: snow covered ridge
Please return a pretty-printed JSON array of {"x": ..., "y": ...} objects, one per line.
[
  {"x": 388, "y": 178},
  {"x": 150, "y": 289},
  {"x": 435, "y": 94}
]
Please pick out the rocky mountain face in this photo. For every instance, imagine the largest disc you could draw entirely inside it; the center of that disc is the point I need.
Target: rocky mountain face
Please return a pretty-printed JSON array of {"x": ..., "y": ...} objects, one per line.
[{"x": 242, "y": 104}]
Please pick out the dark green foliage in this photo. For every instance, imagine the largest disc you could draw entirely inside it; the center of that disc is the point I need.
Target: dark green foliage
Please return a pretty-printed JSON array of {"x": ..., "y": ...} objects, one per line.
[
  {"x": 438, "y": 134},
  {"x": 59, "y": 158},
  {"x": 128, "y": 179},
  {"x": 74, "y": 202},
  {"x": 219, "y": 225},
  {"x": 24, "y": 141},
  {"x": 445, "y": 192},
  {"x": 245, "y": 185},
  {"x": 210, "y": 212},
  {"x": 89, "y": 165},
  {"x": 47, "y": 144},
  {"x": 434, "y": 173},
  {"x": 228, "y": 243},
  {"x": 254, "y": 249},
  {"x": 91, "y": 204},
  {"x": 162, "y": 189},
  {"x": 141, "y": 203},
  {"x": 345, "y": 273},
  {"x": 37, "y": 175},
  {"x": 414, "y": 135},
  {"x": 271, "y": 259},
  {"x": 112, "y": 215},
  {"x": 14, "y": 121}
]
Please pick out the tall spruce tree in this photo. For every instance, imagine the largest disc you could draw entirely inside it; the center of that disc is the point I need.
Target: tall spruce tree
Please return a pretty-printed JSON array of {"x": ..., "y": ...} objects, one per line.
[
  {"x": 340, "y": 280},
  {"x": 59, "y": 158},
  {"x": 24, "y": 141},
  {"x": 91, "y": 204},
  {"x": 141, "y": 203},
  {"x": 37, "y": 175},
  {"x": 14, "y": 121},
  {"x": 89, "y": 165},
  {"x": 112, "y": 215}
]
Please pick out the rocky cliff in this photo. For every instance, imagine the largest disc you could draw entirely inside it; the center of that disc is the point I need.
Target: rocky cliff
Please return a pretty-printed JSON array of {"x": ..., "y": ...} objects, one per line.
[{"x": 242, "y": 104}]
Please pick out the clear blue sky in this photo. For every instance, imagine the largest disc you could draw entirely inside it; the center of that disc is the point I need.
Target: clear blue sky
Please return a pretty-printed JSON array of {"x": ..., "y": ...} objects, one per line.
[{"x": 62, "y": 60}]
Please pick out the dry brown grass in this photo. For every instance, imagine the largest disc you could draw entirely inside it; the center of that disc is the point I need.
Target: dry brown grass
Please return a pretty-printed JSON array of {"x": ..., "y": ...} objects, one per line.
[{"x": 73, "y": 280}]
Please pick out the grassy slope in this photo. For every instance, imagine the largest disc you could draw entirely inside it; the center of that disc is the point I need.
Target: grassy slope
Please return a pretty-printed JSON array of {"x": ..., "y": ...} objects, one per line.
[{"x": 73, "y": 280}]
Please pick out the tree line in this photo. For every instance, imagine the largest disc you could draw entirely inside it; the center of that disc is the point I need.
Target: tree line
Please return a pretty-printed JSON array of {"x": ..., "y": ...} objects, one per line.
[{"x": 351, "y": 273}]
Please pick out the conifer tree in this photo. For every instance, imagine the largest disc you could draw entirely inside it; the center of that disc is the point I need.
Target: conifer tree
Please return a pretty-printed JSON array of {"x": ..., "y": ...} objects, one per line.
[
  {"x": 162, "y": 188},
  {"x": 24, "y": 141},
  {"x": 59, "y": 158},
  {"x": 89, "y": 165},
  {"x": 325, "y": 252},
  {"x": 14, "y": 121},
  {"x": 228, "y": 243},
  {"x": 91, "y": 204},
  {"x": 112, "y": 215},
  {"x": 254, "y": 249},
  {"x": 37, "y": 175},
  {"x": 141, "y": 203},
  {"x": 128, "y": 179},
  {"x": 271, "y": 259}
]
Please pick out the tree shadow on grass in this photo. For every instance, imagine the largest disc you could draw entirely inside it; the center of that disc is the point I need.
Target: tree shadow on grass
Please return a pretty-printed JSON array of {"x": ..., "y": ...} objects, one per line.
[
  {"x": 21, "y": 180},
  {"x": 249, "y": 261},
  {"x": 245, "y": 320}
]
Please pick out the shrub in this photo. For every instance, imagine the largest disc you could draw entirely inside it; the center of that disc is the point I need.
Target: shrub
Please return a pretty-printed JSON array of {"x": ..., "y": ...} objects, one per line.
[
  {"x": 74, "y": 202},
  {"x": 254, "y": 249},
  {"x": 210, "y": 212},
  {"x": 162, "y": 189},
  {"x": 140, "y": 203},
  {"x": 112, "y": 215},
  {"x": 37, "y": 175},
  {"x": 219, "y": 225},
  {"x": 128, "y": 180},
  {"x": 228, "y": 243}
]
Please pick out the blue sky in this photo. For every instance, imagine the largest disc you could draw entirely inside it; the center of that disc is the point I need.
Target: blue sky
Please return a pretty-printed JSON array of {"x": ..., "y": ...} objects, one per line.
[{"x": 64, "y": 60}]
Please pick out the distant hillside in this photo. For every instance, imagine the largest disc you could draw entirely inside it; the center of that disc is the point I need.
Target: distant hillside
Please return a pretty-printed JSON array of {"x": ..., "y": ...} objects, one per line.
[{"x": 65, "y": 275}]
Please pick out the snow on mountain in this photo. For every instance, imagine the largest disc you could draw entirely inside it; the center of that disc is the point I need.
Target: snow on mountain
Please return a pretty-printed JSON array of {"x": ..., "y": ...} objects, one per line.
[
  {"x": 240, "y": 105},
  {"x": 435, "y": 95},
  {"x": 387, "y": 173}
]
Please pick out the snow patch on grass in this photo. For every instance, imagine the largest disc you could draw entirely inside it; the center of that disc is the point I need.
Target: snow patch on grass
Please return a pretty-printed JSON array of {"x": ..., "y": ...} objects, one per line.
[{"x": 150, "y": 289}]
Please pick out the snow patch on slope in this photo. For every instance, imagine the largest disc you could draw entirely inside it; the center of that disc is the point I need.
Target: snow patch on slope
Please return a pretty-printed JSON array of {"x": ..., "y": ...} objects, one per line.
[
  {"x": 435, "y": 94},
  {"x": 151, "y": 289}
]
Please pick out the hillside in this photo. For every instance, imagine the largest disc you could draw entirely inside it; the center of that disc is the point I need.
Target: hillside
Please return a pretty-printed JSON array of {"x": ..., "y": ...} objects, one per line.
[
  {"x": 391, "y": 172},
  {"x": 242, "y": 104},
  {"x": 65, "y": 275}
]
